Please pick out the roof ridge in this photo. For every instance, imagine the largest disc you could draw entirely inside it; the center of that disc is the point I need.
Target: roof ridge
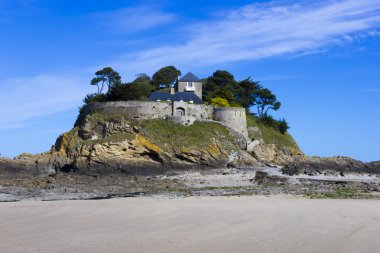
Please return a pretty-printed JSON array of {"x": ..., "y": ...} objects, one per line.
[{"x": 189, "y": 77}]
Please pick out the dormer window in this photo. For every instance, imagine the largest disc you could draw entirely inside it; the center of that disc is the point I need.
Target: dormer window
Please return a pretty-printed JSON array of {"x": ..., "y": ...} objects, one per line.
[{"x": 190, "y": 86}]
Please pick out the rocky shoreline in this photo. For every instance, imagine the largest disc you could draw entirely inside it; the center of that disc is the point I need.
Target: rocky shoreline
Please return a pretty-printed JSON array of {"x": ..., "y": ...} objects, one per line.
[
  {"x": 106, "y": 156},
  {"x": 180, "y": 183}
]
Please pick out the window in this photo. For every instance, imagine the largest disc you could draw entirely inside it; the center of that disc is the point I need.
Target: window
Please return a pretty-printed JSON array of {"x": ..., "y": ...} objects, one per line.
[{"x": 190, "y": 86}]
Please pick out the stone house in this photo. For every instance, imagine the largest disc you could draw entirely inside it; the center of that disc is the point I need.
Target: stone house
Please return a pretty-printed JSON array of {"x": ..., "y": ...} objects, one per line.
[
  {"x": 190, "y": 83},
  {"x": 188, "y": 89}
]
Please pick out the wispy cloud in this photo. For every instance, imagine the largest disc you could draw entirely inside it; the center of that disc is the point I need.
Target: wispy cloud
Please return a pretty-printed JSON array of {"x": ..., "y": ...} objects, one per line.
[
  {"x": 260, "y": 31},
  {"x": 129, "y": 20},
  {"x": 22, "y": 99}
]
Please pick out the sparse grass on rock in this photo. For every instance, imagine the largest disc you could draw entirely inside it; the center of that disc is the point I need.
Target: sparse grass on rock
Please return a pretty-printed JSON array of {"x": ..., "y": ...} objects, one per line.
[
  {"x": 200, "y": 134},
  {"x": 273, "y": 136}
]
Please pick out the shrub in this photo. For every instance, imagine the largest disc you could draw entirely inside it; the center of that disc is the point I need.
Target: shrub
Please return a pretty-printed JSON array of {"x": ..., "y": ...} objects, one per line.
[
  {"x": 94, "y": 97},
  {"x": 218, "y": 101},
  {"x": 80, "y": 117},
  {"x": 282, "y": 125},
  {"x": 267, "y": 120}
]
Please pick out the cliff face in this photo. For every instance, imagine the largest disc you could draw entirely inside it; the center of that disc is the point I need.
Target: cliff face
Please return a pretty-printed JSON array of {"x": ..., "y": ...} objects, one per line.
[
  {"x": 108, "y": 144},
  {"x": 273, "y": 151},
  {"x": 104, "y": 144}
]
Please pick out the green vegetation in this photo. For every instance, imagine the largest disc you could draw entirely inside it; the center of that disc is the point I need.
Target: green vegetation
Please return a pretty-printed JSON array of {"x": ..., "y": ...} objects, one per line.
[
  {"x": 200, "y": 134},
  {"x": 106, "y": 76},
  {"x": 102, "y": 117},
  {"x": 218, "y": 101},
  {"x": 343, "y": 193},
  {"x": 271, "y": 135},
  {"x": 166, "y": 76},
  {"x": 246, "y": 93}
]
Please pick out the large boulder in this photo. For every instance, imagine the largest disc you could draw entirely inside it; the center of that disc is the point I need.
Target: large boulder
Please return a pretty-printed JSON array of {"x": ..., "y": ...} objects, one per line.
[{"x": 272, "y": 154}]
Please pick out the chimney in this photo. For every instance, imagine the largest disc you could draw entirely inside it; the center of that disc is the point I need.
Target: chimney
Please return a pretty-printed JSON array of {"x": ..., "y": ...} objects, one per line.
[{"x": 172, "y": 90}]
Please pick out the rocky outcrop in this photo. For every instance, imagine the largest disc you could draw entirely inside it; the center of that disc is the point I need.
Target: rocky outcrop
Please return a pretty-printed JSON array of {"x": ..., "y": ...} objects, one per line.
[
  {"x": 243, "y": 159},
  {"x": 337, "y": 166},
  {"x": 271, "y": 154},
  {"x": 103, "y": 145},
  {"x": 374, "y": 165},
  {"x": 106, "y": 144},
  {"x": 26, "y": 165}
]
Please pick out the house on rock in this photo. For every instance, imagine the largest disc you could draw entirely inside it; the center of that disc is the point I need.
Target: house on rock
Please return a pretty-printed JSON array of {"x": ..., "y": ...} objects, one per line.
[
  {"x": 187, "y": 89},
  {"x": 183, "y": 104}
]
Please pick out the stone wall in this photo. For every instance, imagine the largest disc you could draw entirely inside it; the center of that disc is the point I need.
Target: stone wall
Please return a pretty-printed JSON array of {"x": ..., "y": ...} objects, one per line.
[
  {"x": 132, "y": 109},
  {"x": 186, "y": 120},
  {"x": 233, "y": 117},
  {"x": 198, "y": 111}
]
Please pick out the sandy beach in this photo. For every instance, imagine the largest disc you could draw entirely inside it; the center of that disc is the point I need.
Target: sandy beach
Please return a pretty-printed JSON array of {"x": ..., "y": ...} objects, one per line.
[{"x": 207, "y": 224}]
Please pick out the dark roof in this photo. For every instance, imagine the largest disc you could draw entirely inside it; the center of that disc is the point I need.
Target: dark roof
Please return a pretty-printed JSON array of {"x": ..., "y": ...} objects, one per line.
[
  {"x": 178, "y": 96},
  {"x": 189, "y": 77}
]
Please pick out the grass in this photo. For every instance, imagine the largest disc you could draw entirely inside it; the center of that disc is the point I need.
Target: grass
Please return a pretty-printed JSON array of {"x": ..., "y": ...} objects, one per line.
[
  {"x": 273, "y": 136},
  {"x": 102, "y": 117},
  {"x": 200, "y": 134}
]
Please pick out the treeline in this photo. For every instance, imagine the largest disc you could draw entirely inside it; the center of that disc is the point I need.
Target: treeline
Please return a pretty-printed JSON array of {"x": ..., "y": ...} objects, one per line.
[{"x": 220, "y": 89}]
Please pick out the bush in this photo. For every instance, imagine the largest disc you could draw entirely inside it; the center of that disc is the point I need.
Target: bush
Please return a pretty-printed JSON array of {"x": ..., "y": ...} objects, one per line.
[
  {"x": 267, "y": 120},
  {"x": 281, "y": 125},
  {"x": 80, "y": 117},
  {"x": 218, "y": 101},
  {"x": 94, "y": 97}
]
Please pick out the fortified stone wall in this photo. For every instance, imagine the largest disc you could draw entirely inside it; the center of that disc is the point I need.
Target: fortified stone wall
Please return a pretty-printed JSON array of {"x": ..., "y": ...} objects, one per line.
[
  {"x": 198, "y": 111},
  {"x": 132, "y": 109},
  {"x": 232, "y": 117}
]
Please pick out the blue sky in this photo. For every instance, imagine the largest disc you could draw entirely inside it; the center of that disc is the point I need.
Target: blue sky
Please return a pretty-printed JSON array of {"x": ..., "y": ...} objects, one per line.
[{"x": 321, "y": 58}]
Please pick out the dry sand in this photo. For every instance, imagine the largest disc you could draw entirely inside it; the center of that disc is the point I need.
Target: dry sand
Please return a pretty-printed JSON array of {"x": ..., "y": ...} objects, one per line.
[{"x": 207, "y": 224}]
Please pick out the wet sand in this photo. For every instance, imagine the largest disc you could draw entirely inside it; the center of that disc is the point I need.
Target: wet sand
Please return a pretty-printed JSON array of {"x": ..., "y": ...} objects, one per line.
[{"x": 206, "y": 224}]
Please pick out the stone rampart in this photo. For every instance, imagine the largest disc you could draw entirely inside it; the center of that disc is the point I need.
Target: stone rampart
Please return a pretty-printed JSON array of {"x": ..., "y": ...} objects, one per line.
[
  {"x": 132, "y": 109},
  {"x": 198, "y": 111},
  {"x": 233, "y": 117}
]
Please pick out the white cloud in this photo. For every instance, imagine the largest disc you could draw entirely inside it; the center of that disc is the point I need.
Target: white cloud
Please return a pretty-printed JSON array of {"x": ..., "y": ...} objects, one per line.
[
  {"x": 136, "y": 19},
  {"x": 260, "y": 31},
  {"x": 26, "y": 98},
  {"x": 249, "y": 33}
]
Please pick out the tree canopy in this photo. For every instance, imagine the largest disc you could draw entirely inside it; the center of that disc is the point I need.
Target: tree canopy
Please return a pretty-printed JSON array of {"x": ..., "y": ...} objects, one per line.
[
  {"x": 246, "y": 93},
  {"x": 107, "y": 76},
  {"x": 166, "y": 75},
  {"x": 266, "y": 100},
  {"x": 139, "y": 89}
]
